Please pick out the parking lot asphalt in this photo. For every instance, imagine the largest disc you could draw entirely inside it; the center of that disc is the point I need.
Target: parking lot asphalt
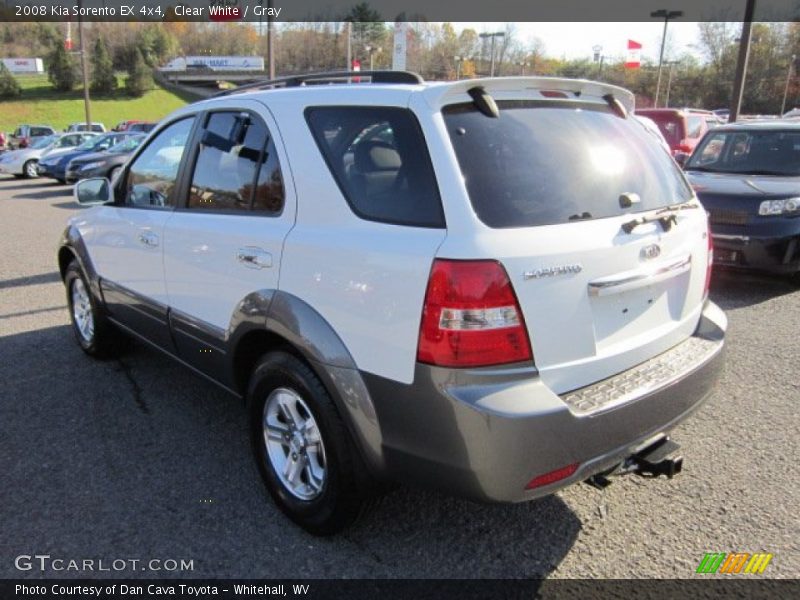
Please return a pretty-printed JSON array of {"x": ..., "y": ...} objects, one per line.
[{"x": 138, "y": 458}]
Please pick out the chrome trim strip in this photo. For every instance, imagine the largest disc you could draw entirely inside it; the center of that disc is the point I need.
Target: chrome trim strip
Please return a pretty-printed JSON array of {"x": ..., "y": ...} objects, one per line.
[
  {"x": 638, "y": 278},
  {"x": 735, "y": 238}
]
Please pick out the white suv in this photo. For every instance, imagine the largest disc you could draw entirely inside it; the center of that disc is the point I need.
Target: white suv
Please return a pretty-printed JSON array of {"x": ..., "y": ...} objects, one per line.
[{"x": 494, "y": 287}]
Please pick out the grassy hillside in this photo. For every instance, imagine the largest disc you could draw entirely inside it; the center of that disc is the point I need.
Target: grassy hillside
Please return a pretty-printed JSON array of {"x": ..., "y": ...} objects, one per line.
[{"x": 41, "y": 104}]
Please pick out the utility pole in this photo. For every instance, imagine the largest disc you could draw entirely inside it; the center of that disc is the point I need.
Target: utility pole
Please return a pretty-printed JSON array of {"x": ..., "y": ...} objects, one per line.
[
  {"x": 741, "y": 62},
  {"x": 788, "y": 80},
  {"x": 494, "y": 35},
  {"x": 85, "y": 71},
  {"x": 349, "y": 32},
  {"x": 270, "y": 41},
  {"x": 666, "y": 15},
  {"x": 669, "y": 82}
]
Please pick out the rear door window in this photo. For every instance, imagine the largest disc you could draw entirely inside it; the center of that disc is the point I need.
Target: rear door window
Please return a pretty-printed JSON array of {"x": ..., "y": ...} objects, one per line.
[
  {"x": 379, "y": 159},
  {"x": 237, "y": 166},
  {"x": 543, "y": 163}
]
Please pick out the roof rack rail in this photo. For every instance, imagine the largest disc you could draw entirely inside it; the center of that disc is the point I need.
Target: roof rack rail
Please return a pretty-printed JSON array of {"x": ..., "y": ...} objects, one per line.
[{"x": 327, "y": 77}]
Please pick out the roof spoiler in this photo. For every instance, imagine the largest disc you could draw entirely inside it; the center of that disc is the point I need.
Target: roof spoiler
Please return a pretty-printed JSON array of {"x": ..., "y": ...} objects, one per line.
[{"x": 438, "y": 95}]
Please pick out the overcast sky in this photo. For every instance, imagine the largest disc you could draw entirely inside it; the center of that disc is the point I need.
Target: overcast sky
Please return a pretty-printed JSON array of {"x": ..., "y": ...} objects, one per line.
[{"x": 575, "y": 40}]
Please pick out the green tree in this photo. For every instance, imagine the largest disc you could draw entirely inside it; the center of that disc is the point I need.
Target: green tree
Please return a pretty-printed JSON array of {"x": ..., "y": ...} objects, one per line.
[
  {"x": 368, "y": 29},
  {"x": 104, "y": 81},
  {"x": 139, "y": 79},
  {"x": 61, "y": 69},
  {"x": 9, "y": 86}
]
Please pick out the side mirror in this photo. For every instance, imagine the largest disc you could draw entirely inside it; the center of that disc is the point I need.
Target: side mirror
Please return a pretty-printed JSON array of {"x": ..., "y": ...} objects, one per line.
[
  {"x": 681, "y": 158},
  {"x": 90, "y": 192}
]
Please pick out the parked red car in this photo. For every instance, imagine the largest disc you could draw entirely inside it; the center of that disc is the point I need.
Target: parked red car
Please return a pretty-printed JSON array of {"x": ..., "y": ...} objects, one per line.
[{"x": 682, "y": 128}]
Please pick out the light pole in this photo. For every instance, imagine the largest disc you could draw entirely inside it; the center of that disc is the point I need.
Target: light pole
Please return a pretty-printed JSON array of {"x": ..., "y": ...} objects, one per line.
[
  {"x": 494, "y": 35},
  {"x": 666, "y": 15},
  {"x": 85, "y": 72},
  {"x": 741, "y": 61},
  {"x": 788, "y": 80},
  {"x": 458, "y": 60},
  {"x": 671, "y": 64},
  {"x": 270, "y": 41}
]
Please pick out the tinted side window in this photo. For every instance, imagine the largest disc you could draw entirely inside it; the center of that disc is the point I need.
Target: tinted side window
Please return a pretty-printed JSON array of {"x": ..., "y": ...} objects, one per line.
[
  {"x": 152, "y": 176},
  {"x": 231, "y": 151},
  {"x": 270, "y": 195},
  {"x": 40, "y": 131},
  {"x": 380, "y": 161}
]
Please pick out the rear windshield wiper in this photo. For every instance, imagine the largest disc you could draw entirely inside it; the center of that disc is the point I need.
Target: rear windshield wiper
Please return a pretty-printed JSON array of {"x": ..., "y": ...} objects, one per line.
[{"x": 666, "y": 216}]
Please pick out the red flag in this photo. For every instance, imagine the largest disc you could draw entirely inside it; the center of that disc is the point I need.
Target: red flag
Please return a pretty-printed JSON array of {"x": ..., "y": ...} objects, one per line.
[{"x": 632, "y": 60}]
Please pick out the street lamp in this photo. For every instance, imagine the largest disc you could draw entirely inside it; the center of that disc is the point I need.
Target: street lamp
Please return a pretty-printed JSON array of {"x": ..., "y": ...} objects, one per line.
[
  {"x": 494, "y": 35},
  {"x": 598, "y": 58},
  {"x": 666, "y": 15},
  {"x": 458, "y": 60}
]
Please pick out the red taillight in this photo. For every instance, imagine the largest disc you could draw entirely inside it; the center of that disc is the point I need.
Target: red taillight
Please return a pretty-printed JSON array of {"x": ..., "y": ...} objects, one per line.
[
  {"x": 471, "y": 317},
  {"x": 685, "y": 148},
  {"x": 710, "y": 261},
  {"x": 552, "y": 476}
]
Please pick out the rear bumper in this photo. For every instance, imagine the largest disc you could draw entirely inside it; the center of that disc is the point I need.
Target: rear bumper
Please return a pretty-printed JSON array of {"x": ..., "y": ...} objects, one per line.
[
  {"x": 485, "y": 433},
  {"x": 775, "y": 254}
]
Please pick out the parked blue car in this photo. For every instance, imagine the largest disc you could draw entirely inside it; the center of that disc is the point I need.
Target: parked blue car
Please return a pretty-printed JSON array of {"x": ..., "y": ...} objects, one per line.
[
  {"x": 56, "y": 167},
  {"x": 747, "y": 177}
]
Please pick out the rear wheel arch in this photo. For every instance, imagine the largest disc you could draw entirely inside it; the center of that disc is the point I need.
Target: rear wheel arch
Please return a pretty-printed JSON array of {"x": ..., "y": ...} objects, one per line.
[{"x": 285, "y": 322}]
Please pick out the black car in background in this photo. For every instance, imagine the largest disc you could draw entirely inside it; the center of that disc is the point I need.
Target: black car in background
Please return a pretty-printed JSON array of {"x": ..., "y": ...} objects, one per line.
[
  {"x": 103, "y": 164},
  {"x": 748, "y": 178}
]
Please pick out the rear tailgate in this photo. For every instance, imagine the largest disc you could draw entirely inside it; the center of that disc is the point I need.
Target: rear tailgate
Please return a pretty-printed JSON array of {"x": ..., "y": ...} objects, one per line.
[
  {"x": 605, "y": 304},
  {"x": 558, "y": 187}
]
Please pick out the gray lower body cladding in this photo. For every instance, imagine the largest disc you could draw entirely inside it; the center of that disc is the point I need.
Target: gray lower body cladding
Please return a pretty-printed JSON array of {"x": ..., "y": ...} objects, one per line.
[{"x": 485, "y": 433}]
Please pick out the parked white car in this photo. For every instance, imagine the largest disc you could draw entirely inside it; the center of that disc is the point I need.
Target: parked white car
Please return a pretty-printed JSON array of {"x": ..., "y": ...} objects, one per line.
[
  {"x": 493, "y": 287},
  {"x": 23, "y": 162}
]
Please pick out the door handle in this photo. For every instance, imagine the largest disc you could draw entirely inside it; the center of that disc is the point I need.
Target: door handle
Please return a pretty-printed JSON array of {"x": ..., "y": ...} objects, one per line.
[
  {"x": 148, "y": 238},
  {"x": 254, "y": 258}
]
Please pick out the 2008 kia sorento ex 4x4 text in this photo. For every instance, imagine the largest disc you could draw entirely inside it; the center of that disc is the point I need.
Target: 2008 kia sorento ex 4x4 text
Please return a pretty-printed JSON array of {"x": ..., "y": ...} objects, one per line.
[{"x": 494, "y": 287}]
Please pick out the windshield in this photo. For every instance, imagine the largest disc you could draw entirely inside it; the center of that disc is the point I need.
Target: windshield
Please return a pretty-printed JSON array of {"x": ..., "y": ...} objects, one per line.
[
  {"x": 93, "y": 142},
  {"x": 755, "y": 152},
  {"x": 43, "y": 142},
  {"x": 128, "y": 145},
  {"x": 542, "y": 163}
]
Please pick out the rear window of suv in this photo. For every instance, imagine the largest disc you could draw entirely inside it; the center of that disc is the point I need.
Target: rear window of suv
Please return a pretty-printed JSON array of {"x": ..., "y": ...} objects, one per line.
[
  {"x": 542, "y": 163},
  {"x": 380, "y": 161}
]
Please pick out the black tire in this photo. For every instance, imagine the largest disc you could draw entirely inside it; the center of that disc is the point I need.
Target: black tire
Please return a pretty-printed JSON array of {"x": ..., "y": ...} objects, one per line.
[
  {"x": 29, "y": 169},
  {"x": 105, "y": 340},
  {"x": 347, "y": 489}
]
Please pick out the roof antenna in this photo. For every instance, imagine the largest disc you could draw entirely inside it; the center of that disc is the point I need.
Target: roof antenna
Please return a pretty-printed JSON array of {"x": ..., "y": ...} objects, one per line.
[{"x": 484, "y": 102}]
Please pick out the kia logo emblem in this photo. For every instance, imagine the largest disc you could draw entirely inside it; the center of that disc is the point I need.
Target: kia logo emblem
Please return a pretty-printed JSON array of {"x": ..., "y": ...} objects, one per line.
[{"x": 650, "y": 252}]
